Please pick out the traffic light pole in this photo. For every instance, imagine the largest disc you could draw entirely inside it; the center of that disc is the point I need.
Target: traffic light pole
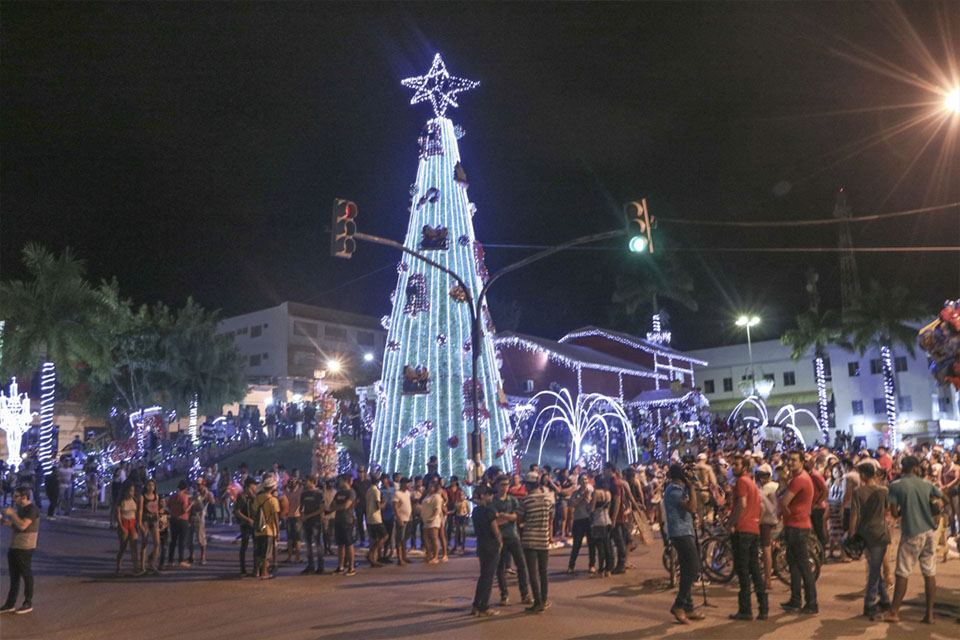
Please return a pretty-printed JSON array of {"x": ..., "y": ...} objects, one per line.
[{"x": 476, "y": 305}]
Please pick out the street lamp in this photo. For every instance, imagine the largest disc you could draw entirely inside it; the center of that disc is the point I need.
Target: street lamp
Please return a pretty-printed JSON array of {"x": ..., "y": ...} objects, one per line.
[
  {"x": 750, "y": 321},
  {"x": 952, "y": 101},
  {"x": 333, "y": 366},
  {"x": 368, "y": 357}
]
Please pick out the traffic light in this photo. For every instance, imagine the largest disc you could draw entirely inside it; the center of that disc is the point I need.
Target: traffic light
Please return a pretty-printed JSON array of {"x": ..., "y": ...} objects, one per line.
[
  {"x": 639, "y": 226},
  {"x": 342, "y": 228}
]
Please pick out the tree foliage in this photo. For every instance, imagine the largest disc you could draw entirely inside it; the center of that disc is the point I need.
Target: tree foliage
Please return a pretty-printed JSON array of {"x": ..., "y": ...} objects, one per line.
[
  {"x": 645, "y": 286},
  {"x": 814, "y": 332},
  {"x": 880, "y": 319}
]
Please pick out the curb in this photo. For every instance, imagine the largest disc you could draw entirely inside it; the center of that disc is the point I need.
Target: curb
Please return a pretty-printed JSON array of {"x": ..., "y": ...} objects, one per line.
[{"x": 80, "y": 522}]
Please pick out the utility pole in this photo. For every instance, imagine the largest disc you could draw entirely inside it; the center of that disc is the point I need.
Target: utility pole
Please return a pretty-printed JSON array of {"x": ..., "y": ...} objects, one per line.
[{"x": 849, "y": 279}]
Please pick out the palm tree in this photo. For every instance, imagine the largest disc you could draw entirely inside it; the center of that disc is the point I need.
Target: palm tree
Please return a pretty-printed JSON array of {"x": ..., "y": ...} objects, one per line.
[
  {"x": 49, "y": 317},
  {"x": 815, "y": 331},
  {"x": 649, "y": 284},
  {"x": 880, "y": 321}
]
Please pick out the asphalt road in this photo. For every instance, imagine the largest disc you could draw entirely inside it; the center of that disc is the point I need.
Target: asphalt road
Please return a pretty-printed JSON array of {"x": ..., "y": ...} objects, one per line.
[{"x": 77, "y": 598}]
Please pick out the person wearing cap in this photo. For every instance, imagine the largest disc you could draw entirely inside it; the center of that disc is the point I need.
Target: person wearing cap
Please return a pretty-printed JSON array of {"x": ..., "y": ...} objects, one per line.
[
  {"x": 680, "y": 504},
  {"x": 243, "y": 513},
  {"x": 536, "y": 516},
  {"x": 266, "y": 520},
  {"x": 769, "y": 517},
  {"x": 707, "y": 484},
  {"x": 202, "y": 498}
]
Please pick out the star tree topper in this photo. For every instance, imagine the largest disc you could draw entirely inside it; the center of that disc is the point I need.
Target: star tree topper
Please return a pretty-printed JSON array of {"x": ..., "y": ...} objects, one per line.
[{"x": 438, "y": 86}]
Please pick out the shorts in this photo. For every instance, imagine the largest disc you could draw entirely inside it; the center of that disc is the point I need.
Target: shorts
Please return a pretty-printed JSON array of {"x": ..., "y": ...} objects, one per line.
[
  {"x": 766, "y": 534},
  {"x": 149, "y": 522},
  {"x": 914, "y": 548},
  {"x": 377, "y": 531},
  {"x": 129, "y": 527},
  {"x": 263, "y": 546},
  {"x": 294, "y": 530},
  {"x": 199, "y": 527},
  {"x": 343, "y": 534}
]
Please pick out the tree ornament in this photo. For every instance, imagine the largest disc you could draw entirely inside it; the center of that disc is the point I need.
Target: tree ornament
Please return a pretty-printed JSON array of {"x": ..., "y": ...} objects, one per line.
[
  {"x": 460, "y": 176},
  {"x": 441, "y": 340},
  {"x": 438, "y": 86},
  {"x": 458, "y": 293},
  {"x": 453, "y": 442}
]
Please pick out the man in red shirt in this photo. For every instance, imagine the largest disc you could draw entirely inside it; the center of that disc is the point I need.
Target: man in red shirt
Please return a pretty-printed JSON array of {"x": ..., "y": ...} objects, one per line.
[
  {"x": 795, "y": 506},
  {"x": 179, "y": 506},
  {"x": 745, "y": 539}
]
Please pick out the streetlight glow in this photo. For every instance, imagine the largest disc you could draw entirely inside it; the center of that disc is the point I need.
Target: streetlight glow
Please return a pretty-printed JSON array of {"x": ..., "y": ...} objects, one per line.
[
  {"x": 952, "y": 101},
  {"x": 333, "y": 366},
  {"x": 368, "y": 357},
  {"x": 745, "y": 321}
]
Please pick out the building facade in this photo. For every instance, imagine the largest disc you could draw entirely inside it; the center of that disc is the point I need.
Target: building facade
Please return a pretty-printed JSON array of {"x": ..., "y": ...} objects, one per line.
[
  {"x": 854, "y": 387},
  {"x": 293, "y": 344}
]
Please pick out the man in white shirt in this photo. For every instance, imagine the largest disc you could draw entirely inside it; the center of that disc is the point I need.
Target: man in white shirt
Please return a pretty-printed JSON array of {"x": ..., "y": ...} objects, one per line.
[
  {"x": 375, "y": 519},
  {"x": 769, "y": 517},
  {"x": 403, "y": 511}
]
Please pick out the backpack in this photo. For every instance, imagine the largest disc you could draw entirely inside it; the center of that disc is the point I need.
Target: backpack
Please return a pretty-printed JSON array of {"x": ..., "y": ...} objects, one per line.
[{"x": 259, "y": 520}]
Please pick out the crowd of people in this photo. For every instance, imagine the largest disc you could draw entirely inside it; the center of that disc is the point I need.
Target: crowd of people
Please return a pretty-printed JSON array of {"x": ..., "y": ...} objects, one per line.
[{"x": 896, "y": 511}]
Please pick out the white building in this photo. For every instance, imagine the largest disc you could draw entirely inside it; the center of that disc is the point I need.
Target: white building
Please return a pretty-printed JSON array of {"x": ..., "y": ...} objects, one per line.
[
  {"x": 854, "y": 387},
  {"x": 292, "y": 345}
]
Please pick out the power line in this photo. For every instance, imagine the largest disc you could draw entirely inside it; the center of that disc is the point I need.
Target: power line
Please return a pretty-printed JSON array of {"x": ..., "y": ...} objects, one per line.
[
  {"x": 749, "y": 249},
  {"x": 807, "y": 223},
  {"x": 343, "y": 284}
]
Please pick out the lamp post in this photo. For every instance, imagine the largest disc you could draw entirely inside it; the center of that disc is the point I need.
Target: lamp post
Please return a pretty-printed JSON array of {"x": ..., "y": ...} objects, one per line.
[{"x": 750, "y": 321}]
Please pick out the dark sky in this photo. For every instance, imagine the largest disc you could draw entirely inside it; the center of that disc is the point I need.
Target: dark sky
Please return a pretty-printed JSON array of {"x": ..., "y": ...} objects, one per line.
[{"x": 195, "y": 148}]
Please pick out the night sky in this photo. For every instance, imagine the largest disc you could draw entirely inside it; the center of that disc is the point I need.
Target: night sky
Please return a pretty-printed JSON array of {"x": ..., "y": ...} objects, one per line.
[{"x": 196, "y": 148}]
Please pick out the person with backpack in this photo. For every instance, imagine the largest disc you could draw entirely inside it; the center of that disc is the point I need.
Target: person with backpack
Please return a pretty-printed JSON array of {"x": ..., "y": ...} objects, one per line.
[
  {"x": 243, "y": 513},
  {"x": 266, "y": 523}
]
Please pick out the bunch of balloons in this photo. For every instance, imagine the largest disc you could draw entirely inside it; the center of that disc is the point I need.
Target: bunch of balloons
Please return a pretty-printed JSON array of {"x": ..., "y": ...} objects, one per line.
[{"x": 941, "y": 340}]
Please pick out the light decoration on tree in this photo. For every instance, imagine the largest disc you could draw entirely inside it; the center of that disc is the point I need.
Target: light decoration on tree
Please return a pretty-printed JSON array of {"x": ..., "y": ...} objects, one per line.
[
  {"x": 890, "y": 397},
  {"x": 385, "y": 322},
  {"x": 439, "y": 87},
  {"x": 15, "y": 420},
  {"x": 325, "y": 454},
  {"x": 590, "y": 413},
  {"x": 422, "y": 430},
  {"x": 193, "y": 421},
  {"x": 48, "y": 380},
  {"x": 416, "y": 338},
  {"x": 819, "y": 370}
]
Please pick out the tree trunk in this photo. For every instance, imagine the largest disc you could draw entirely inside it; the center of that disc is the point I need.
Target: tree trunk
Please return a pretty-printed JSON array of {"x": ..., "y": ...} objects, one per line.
[
  {"x": 47, "y": 449},
  {"x": 822, "y": 401},
  {"x": 890, "y": 396}
]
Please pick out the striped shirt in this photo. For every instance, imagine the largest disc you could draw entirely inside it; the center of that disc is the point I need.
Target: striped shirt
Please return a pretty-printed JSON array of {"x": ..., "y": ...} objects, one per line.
[{"x": 536, "y": 511}]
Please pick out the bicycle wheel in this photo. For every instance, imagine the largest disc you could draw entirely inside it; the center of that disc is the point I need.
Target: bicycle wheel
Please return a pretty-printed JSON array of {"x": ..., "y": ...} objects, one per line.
[
  {"x": 716, "y": 557},
  {"x": 780, "y": 568}
]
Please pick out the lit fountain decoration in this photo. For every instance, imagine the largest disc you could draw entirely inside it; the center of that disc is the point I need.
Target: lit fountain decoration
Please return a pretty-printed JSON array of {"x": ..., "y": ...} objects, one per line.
[
  {"x": 15, "y": 420},
  {"x": 785, "y": 418},
  {"x": 591, "y": 412}
]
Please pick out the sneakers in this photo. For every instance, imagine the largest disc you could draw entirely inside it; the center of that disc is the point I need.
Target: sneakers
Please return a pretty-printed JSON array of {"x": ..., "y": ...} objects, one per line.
[
  {"x": 351, "y": 572},
  {"x": 790, "y": 607},
  {"x": 504, "y": 601},
  {"x": 486, "y": 613},
  {"x": 26, "y": 608},
  {"x": 307, "y": 571},
  {"x": 741, "y": 616},
  {"x": 527, "y": 600},
  {"x": 810, "y": 609},
  {"x": 694, "y": 615},
  {"x": 680, "y": 615},
  {"x": 7, "y": 608}
]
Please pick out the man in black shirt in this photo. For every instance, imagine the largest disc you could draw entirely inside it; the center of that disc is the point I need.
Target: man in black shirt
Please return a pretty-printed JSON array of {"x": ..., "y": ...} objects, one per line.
[
  {"x": 243, "y": 514},
  {"x": 311, "y": 508},
  {"x": 488, "y": 550},
  {"x": 360, "y": 486},
  {"x": 24, "y": 520}
]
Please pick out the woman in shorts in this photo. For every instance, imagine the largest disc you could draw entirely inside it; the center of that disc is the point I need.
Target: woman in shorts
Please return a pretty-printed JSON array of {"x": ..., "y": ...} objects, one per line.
[
  {"x": 150, "y": 525},
  {"x": 128, "y": 521}
]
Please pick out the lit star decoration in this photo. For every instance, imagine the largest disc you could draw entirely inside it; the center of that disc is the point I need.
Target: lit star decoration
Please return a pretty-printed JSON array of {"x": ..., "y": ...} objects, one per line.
[{"x": 438, "y": 86}]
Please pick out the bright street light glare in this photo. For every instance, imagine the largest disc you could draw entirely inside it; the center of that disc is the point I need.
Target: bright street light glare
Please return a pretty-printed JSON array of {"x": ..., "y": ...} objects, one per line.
[
  {"x": 368, "y": 357},
  {"x": 333, "y": 366},
  {"x": 744, "y": 321},
  {"x": 952, "y": 101}
]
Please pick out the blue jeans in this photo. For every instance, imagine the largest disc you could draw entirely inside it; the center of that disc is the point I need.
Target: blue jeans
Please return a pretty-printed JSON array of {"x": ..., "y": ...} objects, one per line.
[
  {"x": 689, "y": 559},
  {"x": 875, "y": 583}
]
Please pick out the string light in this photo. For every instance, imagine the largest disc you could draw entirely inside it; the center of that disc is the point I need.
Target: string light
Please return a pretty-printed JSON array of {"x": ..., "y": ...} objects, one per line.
[
  {"x": 439, "y": 87},
  {"x": 48, "y": 380},
  {"x": 15, "y": 420},
  {"x": 890, "y": 396},
  {"x": 632, "y": 342},
  {"x": 571, "y": 363},
  {"x": 818, "y": 365}
]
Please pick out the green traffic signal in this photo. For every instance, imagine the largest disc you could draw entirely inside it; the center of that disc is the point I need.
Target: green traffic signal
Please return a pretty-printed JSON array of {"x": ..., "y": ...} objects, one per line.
[{"x": 638, "y": 244}]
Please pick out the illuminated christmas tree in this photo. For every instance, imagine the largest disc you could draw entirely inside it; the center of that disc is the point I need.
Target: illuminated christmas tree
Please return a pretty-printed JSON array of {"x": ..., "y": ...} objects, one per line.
[
  {"x": 324, "y": 440},
  {"x": 424, "y": 404}
]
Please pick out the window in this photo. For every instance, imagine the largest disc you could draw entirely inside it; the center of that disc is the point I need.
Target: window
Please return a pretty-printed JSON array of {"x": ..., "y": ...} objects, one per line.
[
  {"x": 905, "y": 403},
  {"x": 708, "y": 386},
  {"x": 789, "y": 378},
  {"x": 256, "y": 331},
  {"x": 308, "y": 329},
  {"x": 857, "y": 407},
  {"x": 853, "y": 369},
  {"x": 876, "y": 366},
  {"x": 827, "y": 370},
  {"x": 304, "y": 359},
  {"x": 770, "y": 377},
  {"x": 728, "y": 384},
  {"x": 266, "y": 356},
  {"x": 879, "y": 406},
  {"x": 528, "y": 386},
  {"x": 255, "y": 360},
  {"x": 241, "y": 330},
  {"x": 900, "y": 363},
  {"x": 365, "y": 338},
  {"x": 944, "y": 403},
  {"x": 337, "y": 333}
]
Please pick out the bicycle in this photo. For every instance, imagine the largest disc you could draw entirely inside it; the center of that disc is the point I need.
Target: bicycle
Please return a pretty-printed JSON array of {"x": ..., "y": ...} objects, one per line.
[{"x": 815, "y": 554}]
